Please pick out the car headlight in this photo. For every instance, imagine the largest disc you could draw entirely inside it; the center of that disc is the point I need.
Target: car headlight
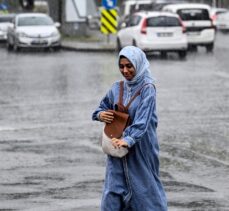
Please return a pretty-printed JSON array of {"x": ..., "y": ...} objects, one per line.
[
  {"x": 22, "y": 34},
  {"x": 55, "y": 34}
]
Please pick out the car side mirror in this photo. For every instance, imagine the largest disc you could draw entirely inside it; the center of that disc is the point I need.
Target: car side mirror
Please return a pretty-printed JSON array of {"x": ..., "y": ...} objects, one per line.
[
  {"x": 123, "y": 25},
  {"x": 57, "y": 24}
]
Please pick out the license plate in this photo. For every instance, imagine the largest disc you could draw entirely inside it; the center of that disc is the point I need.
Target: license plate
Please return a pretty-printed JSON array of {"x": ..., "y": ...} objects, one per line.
[
  {"x": 39, "y": 42},
  {"x": 164, "y": 34}
]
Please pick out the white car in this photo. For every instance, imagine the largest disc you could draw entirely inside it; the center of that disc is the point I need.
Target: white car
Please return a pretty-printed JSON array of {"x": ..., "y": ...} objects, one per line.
[
  {"x": 197, "y": 20},
  {"x": 223, "y": 22},
  {"x": 154, "y": 31},
  {"x": 33, "y": 30},
  {"x": 215, "y": 12},
  {"x": 5, "y": 22}
]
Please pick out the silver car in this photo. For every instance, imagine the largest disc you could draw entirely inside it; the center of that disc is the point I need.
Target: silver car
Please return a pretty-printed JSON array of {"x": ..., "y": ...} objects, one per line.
[
  {"x": 5, "y": 22},
  {"x": 33, "y": 30},
  {"x": 223, "y": 22}
]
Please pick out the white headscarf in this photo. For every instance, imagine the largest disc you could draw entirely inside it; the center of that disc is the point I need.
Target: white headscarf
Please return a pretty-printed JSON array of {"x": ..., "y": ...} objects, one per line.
[{"x": 138, "y": 59}]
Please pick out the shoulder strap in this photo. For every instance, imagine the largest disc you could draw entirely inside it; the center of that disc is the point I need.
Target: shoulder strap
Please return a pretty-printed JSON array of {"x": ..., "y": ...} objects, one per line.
[
  {"x": 136, "y": 94},
  {"x": 121, "y": 87}
]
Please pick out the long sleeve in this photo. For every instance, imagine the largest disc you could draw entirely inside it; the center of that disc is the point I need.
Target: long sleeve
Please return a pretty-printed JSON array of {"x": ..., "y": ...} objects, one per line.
[
  {"x": 145, "y": 115},
  {"x": 105, "y": 104}
]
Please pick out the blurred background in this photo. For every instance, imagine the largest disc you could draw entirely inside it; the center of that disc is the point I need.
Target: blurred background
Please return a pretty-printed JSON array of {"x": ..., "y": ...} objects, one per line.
[{"x": 81, "y": 17}]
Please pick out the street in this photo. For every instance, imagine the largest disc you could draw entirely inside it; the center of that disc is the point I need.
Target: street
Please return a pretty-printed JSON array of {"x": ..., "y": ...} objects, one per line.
[{"x": 50, "y": 152}]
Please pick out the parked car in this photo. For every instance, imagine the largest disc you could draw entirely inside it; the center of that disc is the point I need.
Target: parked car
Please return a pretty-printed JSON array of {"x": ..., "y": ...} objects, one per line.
[
  {"x": 197, "y": 20},
  {"x": 215, "y": 11},
  {"x": 131, "y": 6},
  {"x": 159, "y": 4},
  {"x": 223, "y": 22},
  {"x": 5, "y": 22},
  {"x": 154, "y": 31},
  {"x": 33, "y": 30}
]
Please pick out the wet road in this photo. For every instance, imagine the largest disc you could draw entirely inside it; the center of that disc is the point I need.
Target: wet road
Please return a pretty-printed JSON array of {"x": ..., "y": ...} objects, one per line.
[{"x": 49, "y": 147}]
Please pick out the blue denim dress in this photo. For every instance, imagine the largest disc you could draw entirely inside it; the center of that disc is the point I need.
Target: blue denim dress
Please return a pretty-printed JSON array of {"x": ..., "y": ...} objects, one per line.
[{"x": 132, "y": 183}]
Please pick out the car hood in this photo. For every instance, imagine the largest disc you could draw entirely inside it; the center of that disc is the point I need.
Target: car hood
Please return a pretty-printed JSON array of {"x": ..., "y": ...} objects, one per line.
[{"x": 37, "y": 31}]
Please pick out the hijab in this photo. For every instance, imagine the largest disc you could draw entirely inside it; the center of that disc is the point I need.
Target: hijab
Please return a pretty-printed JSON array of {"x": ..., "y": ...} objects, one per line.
[{"x": 138, "y": 59}]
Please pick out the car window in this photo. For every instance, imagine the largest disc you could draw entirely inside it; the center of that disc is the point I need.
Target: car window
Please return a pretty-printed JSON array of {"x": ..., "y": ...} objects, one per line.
[
  {"x": 134, "y": 20},
  {"x": 220, "y": 12},
  {"x": 193, "y": 14},
  {"x": 35, "y": 21},
  {"x": 138, "y": 7},
  {"x": 225, "y": 14},
  {"x": 6, "y": 19},
  {"x": 163, "y": 21}
]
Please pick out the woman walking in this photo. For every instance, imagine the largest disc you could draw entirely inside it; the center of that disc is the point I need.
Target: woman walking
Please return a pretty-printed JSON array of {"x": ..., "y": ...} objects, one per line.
[{"x": 132, "y": 182}]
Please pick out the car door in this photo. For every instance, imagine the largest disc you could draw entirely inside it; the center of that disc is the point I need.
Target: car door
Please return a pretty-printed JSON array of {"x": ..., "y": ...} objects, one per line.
[{"x": 127, "y": 34}]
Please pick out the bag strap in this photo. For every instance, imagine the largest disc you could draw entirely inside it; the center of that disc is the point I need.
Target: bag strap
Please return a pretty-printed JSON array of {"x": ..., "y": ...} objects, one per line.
[
  {"x": 136, "y": 94},
  {"x": 121, "y": 90}
]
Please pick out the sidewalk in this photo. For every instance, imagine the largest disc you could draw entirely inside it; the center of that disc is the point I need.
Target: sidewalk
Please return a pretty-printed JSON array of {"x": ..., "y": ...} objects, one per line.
[{"x": 99, "y": 44}]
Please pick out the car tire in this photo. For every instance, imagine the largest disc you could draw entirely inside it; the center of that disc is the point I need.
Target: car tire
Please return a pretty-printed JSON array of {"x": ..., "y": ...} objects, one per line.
[
  {"x": 16, "y": 48},
  {"x": 9, "y": 46},
  {"x": 192, "y": 48},
  {"x": 57, "y": 48},
  {"x": 118, "y": 44},
  {"x": 163, "y": 54},
  {"x": 209, "y": 47},
  {"x": 182, "y": 54}
]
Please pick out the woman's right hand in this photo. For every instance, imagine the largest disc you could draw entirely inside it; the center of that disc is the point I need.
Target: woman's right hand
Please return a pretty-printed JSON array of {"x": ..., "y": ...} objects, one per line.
[{"x": 106, "y": 116}]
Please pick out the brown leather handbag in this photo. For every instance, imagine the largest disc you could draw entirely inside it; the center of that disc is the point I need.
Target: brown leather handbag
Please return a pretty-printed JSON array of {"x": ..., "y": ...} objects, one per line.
[{"x": 118, "y": 125}]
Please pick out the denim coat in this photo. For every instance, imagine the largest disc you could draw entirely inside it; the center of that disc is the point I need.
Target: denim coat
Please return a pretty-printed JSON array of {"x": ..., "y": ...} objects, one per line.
[{"x": 132, "y": 183}]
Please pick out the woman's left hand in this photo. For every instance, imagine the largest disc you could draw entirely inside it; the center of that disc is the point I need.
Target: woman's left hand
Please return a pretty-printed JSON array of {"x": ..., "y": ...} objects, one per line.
[{"x": 118, "y": 143}]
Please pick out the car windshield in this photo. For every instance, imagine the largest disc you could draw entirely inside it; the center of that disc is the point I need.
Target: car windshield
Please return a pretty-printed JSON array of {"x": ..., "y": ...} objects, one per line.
[
  {"x": 6, "y": 19},
  {"x": 163, "y": 21},
  {"x": 35, "y": 21},
  {"x": 194, "y": 14}
]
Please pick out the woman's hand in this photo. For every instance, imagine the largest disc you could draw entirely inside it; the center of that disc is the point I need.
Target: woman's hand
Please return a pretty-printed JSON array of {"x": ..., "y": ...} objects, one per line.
[
  {"x": 118, "y": 143},
  {"x": 106, "y": 116}
]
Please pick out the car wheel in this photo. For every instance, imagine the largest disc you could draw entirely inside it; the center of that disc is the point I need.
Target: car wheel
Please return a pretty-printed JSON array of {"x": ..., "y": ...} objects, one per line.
[
  {"x": 57, "y": 48},
  {"x": 192, "y": 48},
  {"x": 163, "y": 54},
  {"x": 210, "y": 47},
  {"x": 16, "y": 48},
  {"x": 182, "y": 54},
  {"x": 118, "y": 44},
  {"x": 9, "y": 46}
]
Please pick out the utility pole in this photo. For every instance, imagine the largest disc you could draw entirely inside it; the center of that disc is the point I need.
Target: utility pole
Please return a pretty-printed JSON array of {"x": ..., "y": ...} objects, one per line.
[{"x": 214, "y": 3}]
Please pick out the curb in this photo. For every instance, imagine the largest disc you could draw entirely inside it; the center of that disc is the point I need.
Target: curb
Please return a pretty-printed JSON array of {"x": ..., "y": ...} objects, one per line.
[{"x": 86, "y": 49}]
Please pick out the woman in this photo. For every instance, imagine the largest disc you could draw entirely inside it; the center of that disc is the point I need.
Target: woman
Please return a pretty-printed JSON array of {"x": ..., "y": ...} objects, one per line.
[{"x": 132, "y": 183}]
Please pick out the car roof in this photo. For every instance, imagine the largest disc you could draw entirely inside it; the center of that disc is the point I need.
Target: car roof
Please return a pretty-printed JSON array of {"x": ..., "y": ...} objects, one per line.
[
  {"x": 138, "y": 2},
  {"x": 188, "y": 6},
  {"x": 156, "y": 13}
]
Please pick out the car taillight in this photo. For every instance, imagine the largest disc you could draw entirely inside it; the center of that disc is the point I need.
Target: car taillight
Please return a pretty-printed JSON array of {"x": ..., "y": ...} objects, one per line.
[
  {"x": 182, "y": 25},
  {"x": 143, "y": 28},
  {"x": 213, "y": 18}
]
